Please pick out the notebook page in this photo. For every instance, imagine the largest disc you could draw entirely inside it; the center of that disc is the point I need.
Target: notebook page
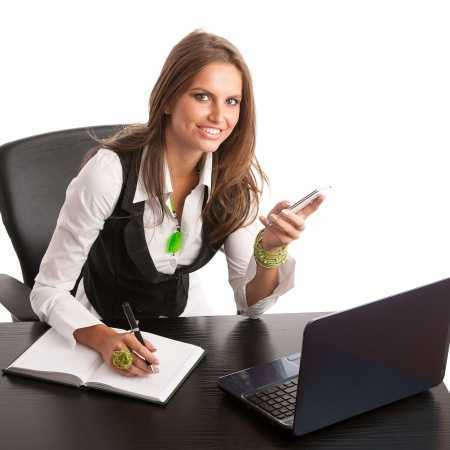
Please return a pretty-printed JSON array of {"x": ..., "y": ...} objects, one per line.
[
  {"x": 52, "y": 354},
  {"x": 175, "y": 360}
]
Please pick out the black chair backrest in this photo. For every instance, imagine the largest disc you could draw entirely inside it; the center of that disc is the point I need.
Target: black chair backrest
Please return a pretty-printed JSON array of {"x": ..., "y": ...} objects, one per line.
[{"x": 34, "y": 175}]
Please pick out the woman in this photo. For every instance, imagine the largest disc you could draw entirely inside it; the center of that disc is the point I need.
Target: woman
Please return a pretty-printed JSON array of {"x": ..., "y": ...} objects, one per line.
[{"x": 153, "y": 203}]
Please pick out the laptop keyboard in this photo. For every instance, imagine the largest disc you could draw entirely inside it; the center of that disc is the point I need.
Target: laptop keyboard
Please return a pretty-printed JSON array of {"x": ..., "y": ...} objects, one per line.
[{"x": 278, "y": 400}]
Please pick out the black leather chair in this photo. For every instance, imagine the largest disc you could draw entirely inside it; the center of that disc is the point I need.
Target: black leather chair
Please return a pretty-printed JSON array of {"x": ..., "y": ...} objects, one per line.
[{"x": 34, "y": 175}]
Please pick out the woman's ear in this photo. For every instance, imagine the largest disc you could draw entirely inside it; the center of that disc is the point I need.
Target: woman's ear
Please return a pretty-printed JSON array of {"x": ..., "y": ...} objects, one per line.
[
  {"x": 171, "y": 102},
  {"x": 167, "y": 108}
]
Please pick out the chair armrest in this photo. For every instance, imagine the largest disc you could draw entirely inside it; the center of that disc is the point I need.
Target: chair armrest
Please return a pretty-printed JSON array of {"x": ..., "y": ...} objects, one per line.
[{"x": 15, "y": 297}]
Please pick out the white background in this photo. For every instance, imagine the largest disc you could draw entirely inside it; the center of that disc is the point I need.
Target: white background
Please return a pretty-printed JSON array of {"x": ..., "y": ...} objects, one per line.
[{"x": 349, "y": 93}]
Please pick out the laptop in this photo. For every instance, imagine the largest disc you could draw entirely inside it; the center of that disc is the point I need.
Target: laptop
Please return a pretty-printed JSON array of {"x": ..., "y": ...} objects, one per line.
[{"x": 353, "y": 361}]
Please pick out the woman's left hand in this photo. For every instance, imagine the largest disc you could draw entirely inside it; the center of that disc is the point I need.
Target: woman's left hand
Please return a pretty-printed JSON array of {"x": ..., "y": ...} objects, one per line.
[{"x": 286, "y": 226}]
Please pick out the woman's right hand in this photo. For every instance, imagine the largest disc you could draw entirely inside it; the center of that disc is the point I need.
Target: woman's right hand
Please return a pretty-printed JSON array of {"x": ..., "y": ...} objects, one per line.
[{"x": 105, "y": 341}]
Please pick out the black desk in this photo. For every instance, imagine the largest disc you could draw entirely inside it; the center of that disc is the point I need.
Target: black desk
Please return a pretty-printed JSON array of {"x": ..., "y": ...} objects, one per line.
[{"x": 43, "y": 415}]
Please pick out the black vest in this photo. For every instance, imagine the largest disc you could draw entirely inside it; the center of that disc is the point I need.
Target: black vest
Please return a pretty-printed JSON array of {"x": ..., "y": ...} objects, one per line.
[{"x": 120, "y": 268}]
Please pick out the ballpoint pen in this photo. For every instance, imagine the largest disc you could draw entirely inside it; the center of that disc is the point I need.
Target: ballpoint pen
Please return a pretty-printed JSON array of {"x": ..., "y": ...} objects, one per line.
[{"x": 134, "y": 325}]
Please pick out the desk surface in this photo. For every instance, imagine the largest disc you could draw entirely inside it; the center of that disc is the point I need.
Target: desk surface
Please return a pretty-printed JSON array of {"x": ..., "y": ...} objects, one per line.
[{"x": 43, "y": 415}]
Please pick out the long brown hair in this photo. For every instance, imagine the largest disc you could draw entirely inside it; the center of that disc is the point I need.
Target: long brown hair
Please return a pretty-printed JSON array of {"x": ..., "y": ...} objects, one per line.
[{"x": 235, "y": 194}]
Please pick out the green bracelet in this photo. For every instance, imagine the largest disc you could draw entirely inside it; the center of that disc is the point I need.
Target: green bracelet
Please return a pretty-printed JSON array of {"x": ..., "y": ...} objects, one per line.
[{"x": 266, "y": 258}]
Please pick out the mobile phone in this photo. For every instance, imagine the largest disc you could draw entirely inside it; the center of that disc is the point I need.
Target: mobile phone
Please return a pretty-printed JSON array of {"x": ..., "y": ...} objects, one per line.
[{"x": 307, "y": 199}]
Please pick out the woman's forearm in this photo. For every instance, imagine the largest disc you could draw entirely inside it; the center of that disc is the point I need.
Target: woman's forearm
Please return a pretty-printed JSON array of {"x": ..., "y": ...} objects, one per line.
[{"x": 262, "y": 285}]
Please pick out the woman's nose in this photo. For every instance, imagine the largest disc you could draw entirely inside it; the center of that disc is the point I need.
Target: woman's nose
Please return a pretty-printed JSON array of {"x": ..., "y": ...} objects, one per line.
[{"x": 217, "y": 114}]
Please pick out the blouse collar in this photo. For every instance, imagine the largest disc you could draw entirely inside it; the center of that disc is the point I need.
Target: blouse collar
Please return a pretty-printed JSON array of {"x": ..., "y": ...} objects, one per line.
[{"x": 205, "y": 178}]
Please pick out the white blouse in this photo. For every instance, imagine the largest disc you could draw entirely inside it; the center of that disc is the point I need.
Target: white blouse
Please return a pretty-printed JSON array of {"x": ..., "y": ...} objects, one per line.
[{"x": 90, "y": 199}]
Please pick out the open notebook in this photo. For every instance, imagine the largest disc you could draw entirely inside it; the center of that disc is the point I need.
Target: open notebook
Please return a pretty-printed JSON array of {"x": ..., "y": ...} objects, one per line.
[{"x": 83, "y": 366}]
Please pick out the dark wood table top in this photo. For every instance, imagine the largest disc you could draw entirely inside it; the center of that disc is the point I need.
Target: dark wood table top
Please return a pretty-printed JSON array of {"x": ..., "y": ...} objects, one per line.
[{"x": 43, "y": 415}]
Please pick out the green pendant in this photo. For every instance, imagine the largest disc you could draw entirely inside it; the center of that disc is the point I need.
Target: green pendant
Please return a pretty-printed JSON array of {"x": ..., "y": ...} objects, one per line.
[
  {"x": 175, "y": 239},
  {"x": 174, "y": 242}
]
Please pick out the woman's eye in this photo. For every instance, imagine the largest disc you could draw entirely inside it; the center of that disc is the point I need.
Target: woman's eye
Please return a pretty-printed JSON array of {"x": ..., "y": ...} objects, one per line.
[
  {"x": 236, "y": 101},
  {"x": 199, "y": 96}
]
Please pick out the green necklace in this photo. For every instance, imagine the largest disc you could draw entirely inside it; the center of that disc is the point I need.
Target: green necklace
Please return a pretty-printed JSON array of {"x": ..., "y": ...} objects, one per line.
[{"x": 175, "y": 240}]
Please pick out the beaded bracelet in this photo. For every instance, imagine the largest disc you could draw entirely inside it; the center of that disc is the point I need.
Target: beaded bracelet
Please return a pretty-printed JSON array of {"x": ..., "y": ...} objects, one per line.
[{"x": 267, "y": 258}]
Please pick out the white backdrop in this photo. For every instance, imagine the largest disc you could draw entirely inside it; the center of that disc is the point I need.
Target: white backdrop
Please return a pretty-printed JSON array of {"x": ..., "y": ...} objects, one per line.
[{"x": 349, "y": 93}]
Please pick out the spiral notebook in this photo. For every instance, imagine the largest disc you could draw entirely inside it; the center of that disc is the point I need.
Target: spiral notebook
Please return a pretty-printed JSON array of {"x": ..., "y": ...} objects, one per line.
[{"x": 84, "y": 367}]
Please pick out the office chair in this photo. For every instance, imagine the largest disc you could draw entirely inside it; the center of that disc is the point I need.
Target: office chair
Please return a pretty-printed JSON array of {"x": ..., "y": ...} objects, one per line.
[{"x": 34, "y": 175}]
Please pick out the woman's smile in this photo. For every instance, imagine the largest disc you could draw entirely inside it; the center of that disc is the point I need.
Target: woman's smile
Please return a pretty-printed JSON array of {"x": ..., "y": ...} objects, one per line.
[{"x": 210, "y": 133}]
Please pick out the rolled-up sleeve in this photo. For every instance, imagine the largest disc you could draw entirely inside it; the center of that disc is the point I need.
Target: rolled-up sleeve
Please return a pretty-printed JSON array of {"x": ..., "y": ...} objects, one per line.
[
  {"x": 90, "y": 198},
  {"x": 238, "y": 249}
]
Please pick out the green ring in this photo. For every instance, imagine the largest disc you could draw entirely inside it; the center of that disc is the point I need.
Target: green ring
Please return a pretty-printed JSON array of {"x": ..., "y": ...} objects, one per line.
[{"x": 122, "y": 359}]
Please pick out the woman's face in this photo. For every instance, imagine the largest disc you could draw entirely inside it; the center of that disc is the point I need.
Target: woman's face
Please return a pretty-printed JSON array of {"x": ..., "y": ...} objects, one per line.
[{"x": 206, "y": 114}]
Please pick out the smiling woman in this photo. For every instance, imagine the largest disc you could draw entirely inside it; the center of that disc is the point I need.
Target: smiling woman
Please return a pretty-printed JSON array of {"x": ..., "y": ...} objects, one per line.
[
  {"x": 202, "y": 103},
  {"x": 154, "y": 203}
]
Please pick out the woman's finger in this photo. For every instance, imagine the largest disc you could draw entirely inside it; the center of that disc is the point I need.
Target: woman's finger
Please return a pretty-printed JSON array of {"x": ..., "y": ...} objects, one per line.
[
  {"x": 273, "y": 227},
  {"x": 149, "y": 345},
  {"x": 141, "y": 363},
  {"x": 136, "y": 370},
  {"x": 312, "y": 207},
  {"x": 297, "y": 221},
  {"x": 125, "y": 373},
  {"x": 270, "y": 225},
  {"x": 131, "y": 341},
  {"x": 276, "y": 230},
  {"x": 285, "y": 227},
  {"x": 278, "y": 207}
]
